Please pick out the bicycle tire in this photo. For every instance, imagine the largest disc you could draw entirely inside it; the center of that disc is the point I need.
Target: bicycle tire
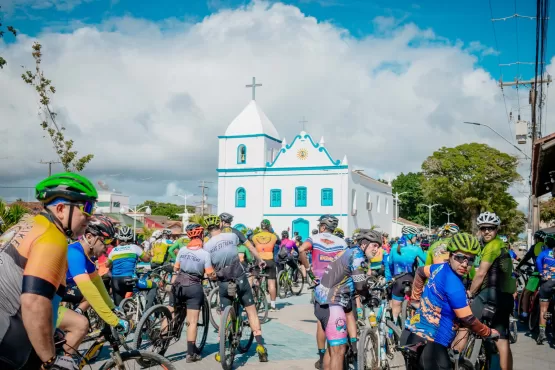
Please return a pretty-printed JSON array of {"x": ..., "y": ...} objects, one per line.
[
  {"x": 227, "y": 322},
  {"x": 300, "y": 284},
  {"x": 129, "y": 307},
  {"x": 203, "y": 324},
  {"x": 245, "y": 342},
  {"x": 513, "y": 330},
  {"x": 404, "y": 314},
  {"x": 141, "y": 357},
  {"x": 214, "y": 307},
  {"x": 261, "y": 303},
  {"x": 282, "y": 284},
  {"x": 143, "y": 327},
  {"x": 367, "y": 344}
]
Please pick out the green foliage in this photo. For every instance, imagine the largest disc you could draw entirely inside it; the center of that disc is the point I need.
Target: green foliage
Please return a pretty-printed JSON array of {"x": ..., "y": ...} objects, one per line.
[
  {"x": 10, "y": 215},
  {"x": 472, "y": 178},
  {"x": 62, "y": 146},
  {"x": 547, "y": 210},
  {"x": 197, "y": 219},
  {"x": 147, "y": 232},
  {"x": 170, "y": 210},
  {"x": 3, "y": 30},
  {"x": 411, "y": 183}
]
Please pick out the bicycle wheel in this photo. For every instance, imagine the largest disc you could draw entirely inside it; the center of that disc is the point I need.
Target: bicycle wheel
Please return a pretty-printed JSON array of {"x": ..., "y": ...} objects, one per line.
[
  {"x": 261, "y": 303},
  {"x": 282, "y": 284},
  {"x": 145, "y": 358},
  {"x": 152, "y": 330},
  {"x": 368, "y": 355},
  {"x": 513, "y": 329},
  {"x": 202, "y": 325},
  {"x": 405, "y": 313},
  {"x": 247, "y": 335},
  {"x": 228, "y": 342},
  {"x": 129, "y": 307},
  {"x": 298, "y": 283},
  {"x": 215, "y": 309}
]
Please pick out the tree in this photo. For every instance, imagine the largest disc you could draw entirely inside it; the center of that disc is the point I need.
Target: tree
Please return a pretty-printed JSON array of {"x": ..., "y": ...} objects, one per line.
[
  {"x": 11, "y": 30},
  {"x": 170, "y": 210},
  {"x": 197, "y": 219},
  {"x": 10, "y": 215},
  {"x": 469, "y": 179},
  {"x": 547, "y": 211},
  {"x": 411, "y": 183},
  {"x": 45, "y": 90}
]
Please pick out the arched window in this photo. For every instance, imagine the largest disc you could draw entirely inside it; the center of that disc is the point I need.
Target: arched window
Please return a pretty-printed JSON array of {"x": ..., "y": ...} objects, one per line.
[
  {"x": 241, "y": 154},
  {"x": 240, "y": 198},
  {"x": 300, "y": 196}
]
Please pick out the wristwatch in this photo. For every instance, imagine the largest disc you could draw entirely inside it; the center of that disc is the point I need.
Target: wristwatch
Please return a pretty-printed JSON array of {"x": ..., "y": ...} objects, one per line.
[{"x": 48, "y": 364}]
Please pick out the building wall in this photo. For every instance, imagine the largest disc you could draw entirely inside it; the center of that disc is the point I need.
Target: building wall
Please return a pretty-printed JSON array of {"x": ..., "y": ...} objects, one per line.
[{"x": 109, "y": 202}]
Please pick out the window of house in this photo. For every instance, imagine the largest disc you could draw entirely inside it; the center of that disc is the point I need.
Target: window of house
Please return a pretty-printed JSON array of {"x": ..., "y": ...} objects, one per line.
[
  {"x": 386, "y": 206},
  {"x": 240, "y": 198},
  {"x": 241, "y": 154},
  {"x": 378, "y": 203},
  {"x": 327, "y": 197},
  {"x": 275, "y": 198},
  {"x": 300, "y": 196}
]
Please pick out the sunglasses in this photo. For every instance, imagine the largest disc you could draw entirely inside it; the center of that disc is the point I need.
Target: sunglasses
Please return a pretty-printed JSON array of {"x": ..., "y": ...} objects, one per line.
[
  {"x": 488, "y": 228},
  {"x": 460, "y": 258},
  {"x": 86, "y": 208},
  {"x": 107, "y": 241}
]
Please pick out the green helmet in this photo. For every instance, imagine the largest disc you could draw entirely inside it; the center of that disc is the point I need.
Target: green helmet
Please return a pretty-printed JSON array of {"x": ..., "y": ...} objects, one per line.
[
  {"x": 465, "y": 243},
  {"x": 67, "y": 185},
  {"x": 265, "y": 224},
  {"x": 212, "y": 220}
]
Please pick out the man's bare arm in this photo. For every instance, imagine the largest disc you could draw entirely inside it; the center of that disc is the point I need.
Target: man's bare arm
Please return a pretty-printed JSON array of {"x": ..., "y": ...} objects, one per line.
[{"x": 36, "y": 311}]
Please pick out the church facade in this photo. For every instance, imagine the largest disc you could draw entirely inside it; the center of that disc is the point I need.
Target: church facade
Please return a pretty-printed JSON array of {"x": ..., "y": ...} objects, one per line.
[{"x": 292, "y": 184}]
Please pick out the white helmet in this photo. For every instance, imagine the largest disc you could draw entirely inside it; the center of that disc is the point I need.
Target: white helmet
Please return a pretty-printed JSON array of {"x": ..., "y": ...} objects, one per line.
[
  {"x": 166, "y": 232},
  {"x": 157, "y": 234},
  {"x": 488, "y": 218},
  {"x": 409, "y": 230}
]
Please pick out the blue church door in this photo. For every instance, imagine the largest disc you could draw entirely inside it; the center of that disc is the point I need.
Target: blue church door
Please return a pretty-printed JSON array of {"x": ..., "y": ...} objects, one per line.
[{"x": 300, "y": 225}]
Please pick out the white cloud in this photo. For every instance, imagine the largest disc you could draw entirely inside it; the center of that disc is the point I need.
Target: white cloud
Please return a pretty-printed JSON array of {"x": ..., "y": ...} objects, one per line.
[
  {"x": 149, "y": 99},
  {"x": 61, "y": 5}
]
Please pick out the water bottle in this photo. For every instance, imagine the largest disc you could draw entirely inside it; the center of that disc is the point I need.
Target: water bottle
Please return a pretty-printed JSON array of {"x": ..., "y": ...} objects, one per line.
[{"x": 372, "y": 319}]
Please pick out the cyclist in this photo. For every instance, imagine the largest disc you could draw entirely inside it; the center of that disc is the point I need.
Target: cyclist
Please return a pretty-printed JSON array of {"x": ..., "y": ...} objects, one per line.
[
  {"x": 438, "y": 252},
  {"x": 442, "y": 303},
  {"x": 324, "y": 247},
  {"x": 82, "y": 277},
  {"x": 288, "y": 252},
  {"x": 176, "y": 246},
  {"x": 404, "y": 256},
  {"x": 339, "y": 233},
  {"x": 123, "y": 262},
  {"x": 494, "y": 284},
  {"x": 33, "y": 272},
  {"x": 343, "y": 277},
  {"x": 192, "y": 264},
  {"x": 224, "y": 257},
  {"x": 534, "y": 280},
  {"x": 545, "y": 265},
  {"x": 160, "y": 247},
  {"x": 227, "y": 219},
  {"x": 264, "y": 243}
]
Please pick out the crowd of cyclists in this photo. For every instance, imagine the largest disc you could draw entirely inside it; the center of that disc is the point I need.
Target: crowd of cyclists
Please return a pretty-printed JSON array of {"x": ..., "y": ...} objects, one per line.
[{"x": 68, "y": 254}]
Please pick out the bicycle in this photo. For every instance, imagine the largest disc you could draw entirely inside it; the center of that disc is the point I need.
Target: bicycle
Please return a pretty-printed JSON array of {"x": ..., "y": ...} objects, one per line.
[
  {"x": 117, "y": 359},
  {"x": 215, "y": 308},
  {"x": 163, "y": 329},
  {"x": 233, "y": 325},
  {"x": 259, "y": 296},
  {"x": 288, "y": 281}
]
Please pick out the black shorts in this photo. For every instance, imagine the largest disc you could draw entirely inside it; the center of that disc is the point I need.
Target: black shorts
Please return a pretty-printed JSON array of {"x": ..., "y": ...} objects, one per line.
[
  {"x": 434, "y": 356},
  {"x": 398, "y": 288},
  {"x": 73, "y": 295},
  {"x": 270, "y": 269},
  {"x": 244, "y": 292},
  {"x": 503, "y": 303},
  {"x": 546, "y": 290},
  {"x": 16, "y": 351},
  {"x": 192, "y": 296}
]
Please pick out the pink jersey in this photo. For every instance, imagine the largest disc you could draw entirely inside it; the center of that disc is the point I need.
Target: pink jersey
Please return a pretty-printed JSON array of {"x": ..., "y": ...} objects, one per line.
[
  {"x": 324, "y": 247},
  {"x": 287, "y": 243}
]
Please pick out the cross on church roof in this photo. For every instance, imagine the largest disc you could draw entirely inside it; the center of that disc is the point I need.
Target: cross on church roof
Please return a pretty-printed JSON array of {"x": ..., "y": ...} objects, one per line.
[
  {"x": 254, "y": 85},
  {"x": 303, "y": 121}
]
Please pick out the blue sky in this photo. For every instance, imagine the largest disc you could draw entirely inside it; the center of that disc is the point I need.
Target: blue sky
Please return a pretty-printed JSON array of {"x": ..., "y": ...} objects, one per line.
[{"x": 467, "y": 21}]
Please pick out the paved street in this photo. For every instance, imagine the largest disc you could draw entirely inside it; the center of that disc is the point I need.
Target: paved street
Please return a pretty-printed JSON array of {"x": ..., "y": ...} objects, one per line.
[{"x": 291, "y": 344}]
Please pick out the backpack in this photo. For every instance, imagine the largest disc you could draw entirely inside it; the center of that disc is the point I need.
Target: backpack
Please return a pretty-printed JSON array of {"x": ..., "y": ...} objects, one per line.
[{"x": 282, "y": 254}]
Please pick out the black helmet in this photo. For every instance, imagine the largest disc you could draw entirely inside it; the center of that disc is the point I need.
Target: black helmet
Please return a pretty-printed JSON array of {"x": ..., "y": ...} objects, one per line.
[
  {"x": 373, "y": 236},
  {"x": 329, "y": 221},
  {"x": 298, "y": 238},
  {"x": 314, "y": 231},
  {"x": 101, "y": 226},
  {"x": 285, "y": 234},
  {"x": 226, "y": 217}
]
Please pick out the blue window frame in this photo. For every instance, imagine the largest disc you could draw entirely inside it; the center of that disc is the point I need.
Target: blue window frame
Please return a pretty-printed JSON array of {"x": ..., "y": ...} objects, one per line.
[
  {"x": 241, "y": 154},
  {"x": 300, "y": 196},
  {"x": 240, "y": 198},
  {"x": 275, "y": 198},
  {"x": 327, "y": 197}
]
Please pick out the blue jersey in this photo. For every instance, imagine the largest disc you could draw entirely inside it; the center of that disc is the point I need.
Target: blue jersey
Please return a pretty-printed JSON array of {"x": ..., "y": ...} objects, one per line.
[
  {"x": 123, "y": 259},
  {"x": 443, "y": 294},
  {"x": 404, "y": 262},
  {"x": 78, "y": 263},
  {"x": 545, "y": 264}
]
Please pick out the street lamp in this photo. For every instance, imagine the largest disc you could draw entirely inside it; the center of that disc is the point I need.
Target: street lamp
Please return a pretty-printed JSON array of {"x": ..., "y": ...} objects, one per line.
[
  {"x": 135, "y": 210},
  {"x": 430, "y": 206},
  {"x": 396, "y": 198},
  {"x": 185, "y": 215},
  {"x": 448, "y": 214},
  {"x": 498, "y": 134}
]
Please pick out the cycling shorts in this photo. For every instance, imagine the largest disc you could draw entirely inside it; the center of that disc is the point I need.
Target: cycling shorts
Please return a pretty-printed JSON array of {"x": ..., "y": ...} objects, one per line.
[
  {"x": 192, "y": 296},
  {"x": 61, "y": 312},
  {"x": 434, "y": 356},
  {"x": 398, "y": 288},
  {"x": 73, "y": 295},
  {"x": 270, "y": 269},
  {"x": 333, "y": 321},
  {"x": 546, "y": 290},
  {"x": 533, "y": 283},
  {"x": 504, "y": 305},
  {"x": 244, "y": 291},
  {"x": 16, "y": 350}
]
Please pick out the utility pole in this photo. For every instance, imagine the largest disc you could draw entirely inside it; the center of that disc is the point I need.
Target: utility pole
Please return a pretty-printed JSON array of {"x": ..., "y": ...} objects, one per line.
[
  {"x": 49, "y": 163},
  {"x": 448, "y": 214},
  {"x": 430, "y": 206},
  {"x": 203, "y": 199},
  {"x": 396, "y": 200}
]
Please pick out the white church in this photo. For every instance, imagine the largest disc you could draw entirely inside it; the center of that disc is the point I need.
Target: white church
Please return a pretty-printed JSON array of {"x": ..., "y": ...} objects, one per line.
[{"x": 261, "y": 176}]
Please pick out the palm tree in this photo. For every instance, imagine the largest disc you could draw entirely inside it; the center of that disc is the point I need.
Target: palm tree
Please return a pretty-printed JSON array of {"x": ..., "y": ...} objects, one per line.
[
  {"x": 10, "y": 215},
  {"x": 197, "y": 219}
]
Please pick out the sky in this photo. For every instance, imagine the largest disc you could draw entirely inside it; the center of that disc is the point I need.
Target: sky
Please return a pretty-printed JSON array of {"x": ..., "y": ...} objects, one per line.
[{"x": 147, "y": 86}]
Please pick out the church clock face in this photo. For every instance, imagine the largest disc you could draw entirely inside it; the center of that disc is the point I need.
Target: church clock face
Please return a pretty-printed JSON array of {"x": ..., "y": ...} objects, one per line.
[{"x": 302, "y": 154}]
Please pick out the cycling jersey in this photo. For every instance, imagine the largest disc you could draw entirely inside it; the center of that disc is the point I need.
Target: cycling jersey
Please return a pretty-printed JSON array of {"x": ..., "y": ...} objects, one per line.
[
  {"x": 500, "y": 273},
  {"x": 123, "y": 259},
  {"x": 175, "y": 247},
  {"x": 438, "y": 252},
  {"x": 247, "y": 256},
  {"x": 265, "y": 242},
  {"x": 545, "y": 264},
  {"x": 410, "y": 255},
  {"x": 240, "y": 235},
  {"x": 376, "y": 262},
  {"x": 102, "y": 268},
  {"x": 194, "y": 262},
  {"x": 159, "y": 250},
  {"x": 324, "y": 247},
  {"x": 224, "y": 256},
  {"x": 538, "y": 248},
  {"x": 444, "y": 294},
  {"x": 337, "y": 285},
  {"x": 82, "y": 273},
  {"x": 33, "y": 257}
]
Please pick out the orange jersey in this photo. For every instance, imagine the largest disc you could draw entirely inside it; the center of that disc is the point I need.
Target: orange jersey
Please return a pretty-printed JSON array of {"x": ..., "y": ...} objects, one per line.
[{"x": 264, "y": 242}]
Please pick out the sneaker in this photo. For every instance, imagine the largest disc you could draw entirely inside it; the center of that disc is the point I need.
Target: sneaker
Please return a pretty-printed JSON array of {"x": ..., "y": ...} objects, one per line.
[
  {"x": 273, "y": 309},
  {"x": 194, "y": 358},
  {"x": 541, "y": 337},
  {"x": 217, "y": 357},
  {"x": 262, "y": 353},
  {"x": 318, "y": 364}
]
